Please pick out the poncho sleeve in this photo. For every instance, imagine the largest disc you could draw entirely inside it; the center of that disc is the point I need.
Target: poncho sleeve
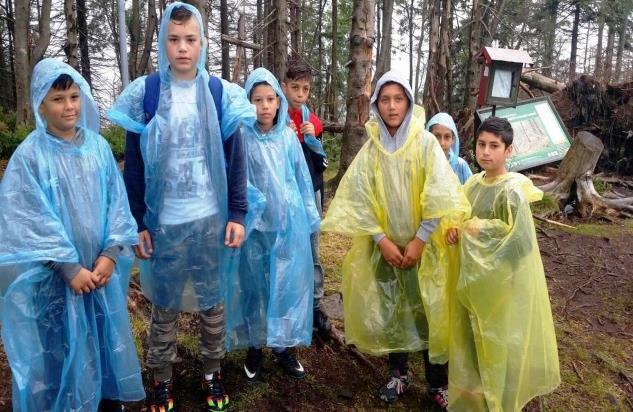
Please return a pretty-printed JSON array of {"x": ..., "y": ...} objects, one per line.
[
  {"x": 304, "y": 181},
  {"x": 236, "y": 109},
  {"x": 127, "y": 110},
  {"x": 30, "y": 227},
  {"x": 121, "y": 227},
  {"x": 355, "y": 208}
]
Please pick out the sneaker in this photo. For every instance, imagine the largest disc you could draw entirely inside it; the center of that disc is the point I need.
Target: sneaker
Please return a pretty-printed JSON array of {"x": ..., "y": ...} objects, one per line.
[
  {"x": 321, "y": 322},
  {"x": 216, "y": 396},
  {"x": 440, "y": 397},
  {"x": 253, "y": 365},
  {"x": 396, "y": 386},
  {"x": 162, "y": 398},
  {"x": 289, "y": 363}
]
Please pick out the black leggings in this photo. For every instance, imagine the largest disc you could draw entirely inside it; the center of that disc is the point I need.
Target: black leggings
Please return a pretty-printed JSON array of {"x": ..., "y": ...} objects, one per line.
[{"x": 436, "y": 375}]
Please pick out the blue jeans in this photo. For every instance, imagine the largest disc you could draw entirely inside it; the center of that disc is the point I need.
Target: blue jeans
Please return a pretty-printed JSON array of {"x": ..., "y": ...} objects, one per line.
[{"x": 318, "y": 269}]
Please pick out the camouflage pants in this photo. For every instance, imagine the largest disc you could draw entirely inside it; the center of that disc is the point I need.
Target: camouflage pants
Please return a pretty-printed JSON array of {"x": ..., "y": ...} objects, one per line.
[{"x": 162, "y": 351}]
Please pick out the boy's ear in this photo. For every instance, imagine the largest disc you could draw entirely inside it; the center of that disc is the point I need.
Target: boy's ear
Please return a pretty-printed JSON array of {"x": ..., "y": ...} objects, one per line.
[
  {"x": 284, "y": 86},
  {"x": 509, "y": 150}
]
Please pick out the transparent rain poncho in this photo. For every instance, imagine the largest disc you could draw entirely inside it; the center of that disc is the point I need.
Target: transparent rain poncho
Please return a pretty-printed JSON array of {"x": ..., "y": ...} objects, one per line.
[
  {"x": 503, "y": 347},
  {"x": 311, "y": 141},
  {"x": 459, "y": 165},
  {"x": 390, "y": 193},
  {"x": 63, "y": 203},
  {"x": 190, "y": 264},
  {"x": 270, "y": 304}
]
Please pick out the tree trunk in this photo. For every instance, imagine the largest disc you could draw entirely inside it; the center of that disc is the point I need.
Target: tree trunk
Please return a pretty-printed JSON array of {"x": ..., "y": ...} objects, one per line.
[
  {"x": 152, "y": 21},
  {"x": 577, "y": 166},
  {"x": 23, "y": 63},
  {"x": 574, "y": 42},
  {"x": 295, "y": 24},
  {"x": 281, "y": 38},
  {"x": 71, "y": 47},
  {"x": 257, "y": 36},
  {"x": 586, "y": 69},
  {"x": 410, "y": 26},
  {"x": 11, "y": 32},
  {"x": 378, "y": 26},
  {"x": 418, "y": 62},
  {"x": 608, "y": 59},
  {"x": 134, "y": 29},
  {"x": 430, "y": 85},
  {"x": 621, "y": 42},
  {"x": 494, "y": 19},
  {"x": 318, "y": 83},
  {"x": 358, "y": 83},
  {"x": 383, "y": 63},
  {"x": 331, "y": 99},
  {"x": 474, "y": 46},
  {"x": 224, "y": 29},
  {"x": 241, "y": 52},
  {"x": 82, "y": 26},
  {"x": 598, "y": 68},
  {"x": 549, "y": 38}
]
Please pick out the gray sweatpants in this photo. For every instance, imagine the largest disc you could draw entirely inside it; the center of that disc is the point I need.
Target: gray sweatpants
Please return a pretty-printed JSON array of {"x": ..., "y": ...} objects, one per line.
[{"x": 162, "y": 351}]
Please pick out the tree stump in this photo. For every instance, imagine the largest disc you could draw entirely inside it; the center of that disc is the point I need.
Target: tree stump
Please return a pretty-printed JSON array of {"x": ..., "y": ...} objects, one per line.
[{"x": 577, "y": 166}]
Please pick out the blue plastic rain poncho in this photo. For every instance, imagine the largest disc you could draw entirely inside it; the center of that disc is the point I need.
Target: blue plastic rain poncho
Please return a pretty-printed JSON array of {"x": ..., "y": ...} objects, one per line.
[
  {"x": 390, "y": 192},
  {"x": 311, "y": 141},
  {"x": 63, "y": 203},
  {"x": 271, "y": 303},
  {"x": 185, "y": 179},
  {"x": 459, "y": 165},
  {"x": 503, "y": 345}
]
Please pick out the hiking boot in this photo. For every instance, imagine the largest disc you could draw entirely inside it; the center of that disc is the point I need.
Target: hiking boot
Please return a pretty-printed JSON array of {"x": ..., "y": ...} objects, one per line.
[
  {"x": 321, "y": 322},
  {"x": 396, "y": 386},
  {"x": 288, "y": 361},
  {"x": 162, "y": 398},
  {"x": 440, "y": 397},
  {"x": 216, "y": 397},
  {"x": 253, "y": 365}
]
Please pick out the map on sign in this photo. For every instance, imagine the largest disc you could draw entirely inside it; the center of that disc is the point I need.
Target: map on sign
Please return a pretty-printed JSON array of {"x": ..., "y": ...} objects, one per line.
[{"x": 540, "y": 137}]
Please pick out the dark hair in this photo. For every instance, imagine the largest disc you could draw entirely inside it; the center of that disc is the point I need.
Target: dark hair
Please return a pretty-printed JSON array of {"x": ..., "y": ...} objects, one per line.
[
  {"x": 63, "y": 82},
  {"x": 180, "y": 14},
  {"x": 498, "y": 126},
  {"x": 298, "y": 70}
]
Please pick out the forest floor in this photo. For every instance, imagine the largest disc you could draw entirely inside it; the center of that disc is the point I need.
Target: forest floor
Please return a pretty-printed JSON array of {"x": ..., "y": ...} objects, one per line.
[{"x": 589, "y": 273}]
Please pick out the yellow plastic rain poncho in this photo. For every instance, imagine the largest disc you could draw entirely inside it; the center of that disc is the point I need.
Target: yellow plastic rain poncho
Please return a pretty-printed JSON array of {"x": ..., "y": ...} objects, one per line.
[
  {"x": 503, "y": 347},
  {"x": 390, "y": 193}
]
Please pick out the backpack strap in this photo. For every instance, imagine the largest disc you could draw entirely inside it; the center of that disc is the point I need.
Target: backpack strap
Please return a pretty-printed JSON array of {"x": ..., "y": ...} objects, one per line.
[
  {"x": 152, "y": 91},
  {"x": 150, "y": 99}
]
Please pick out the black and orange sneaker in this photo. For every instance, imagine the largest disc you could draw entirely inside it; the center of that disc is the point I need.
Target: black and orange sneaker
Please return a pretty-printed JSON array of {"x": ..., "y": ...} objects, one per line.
[
  {"x": 162, "y": 398},
  {"x": 216, "y": 397}
]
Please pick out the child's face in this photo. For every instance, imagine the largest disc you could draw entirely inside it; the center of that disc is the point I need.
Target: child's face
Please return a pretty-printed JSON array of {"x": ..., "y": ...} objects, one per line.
[
  {"x": 393, "y": 105},
  {"x": 183, "y": 48},
  {"x": 61, "y": 110},
  {"x": 296, "y": 91},
  {"x": 492, "y": 153},
  {"x": 266, "y": 102},
  {"x": 444, "y": 136}
]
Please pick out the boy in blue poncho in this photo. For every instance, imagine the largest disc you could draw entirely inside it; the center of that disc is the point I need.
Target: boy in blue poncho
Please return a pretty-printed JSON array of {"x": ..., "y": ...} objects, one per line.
[
  {"x": 65, "y": 233},
  {"x": 271, "y": 302},
  {"x": 443, "y": 128},
  {"x": 186, "y": 181}
]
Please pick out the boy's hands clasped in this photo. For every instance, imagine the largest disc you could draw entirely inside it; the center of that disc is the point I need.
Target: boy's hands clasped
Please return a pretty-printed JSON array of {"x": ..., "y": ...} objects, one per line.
[
  {"x": 401, "y": 260},
  {"x": 86, "y": 281}
]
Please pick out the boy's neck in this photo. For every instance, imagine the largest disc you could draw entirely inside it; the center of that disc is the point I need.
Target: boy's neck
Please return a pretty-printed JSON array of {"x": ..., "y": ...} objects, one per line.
[
  {"x": 68, "y": 135},
  {"x": 265, "y": 129},
  {"x": 293, "y": 108},
  {"x": 494, "y": 174},
  {"x": 184, "y": 76}
]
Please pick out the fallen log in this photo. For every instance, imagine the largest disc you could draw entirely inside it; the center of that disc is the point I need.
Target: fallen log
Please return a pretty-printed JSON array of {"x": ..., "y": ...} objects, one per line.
[{"x": 541, "y": 82}]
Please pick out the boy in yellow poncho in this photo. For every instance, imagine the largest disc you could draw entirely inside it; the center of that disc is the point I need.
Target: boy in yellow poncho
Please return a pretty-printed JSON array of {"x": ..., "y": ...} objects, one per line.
[
  {"x": 397, "y": 190},
  {"x": 502, "y": 342}
]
